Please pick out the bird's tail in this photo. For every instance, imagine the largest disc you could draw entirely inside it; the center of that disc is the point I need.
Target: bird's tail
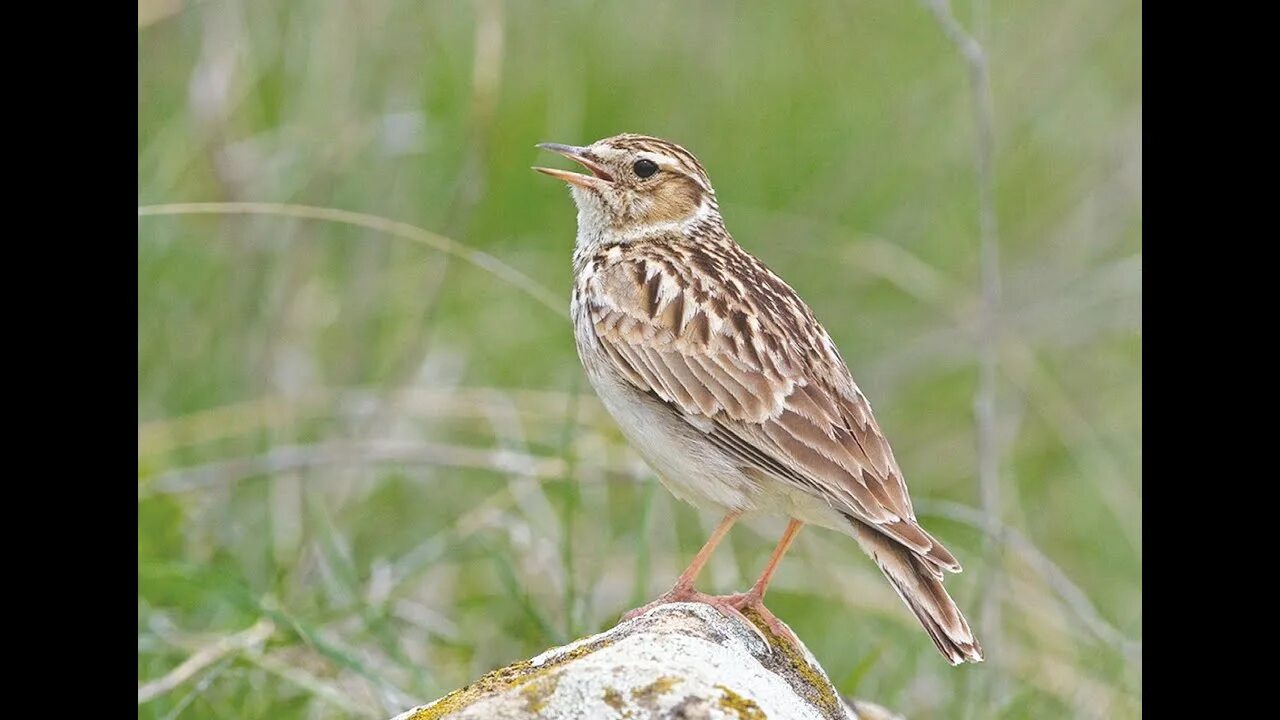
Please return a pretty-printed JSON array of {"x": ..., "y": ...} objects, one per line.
[{"x": 919, "y": 583}]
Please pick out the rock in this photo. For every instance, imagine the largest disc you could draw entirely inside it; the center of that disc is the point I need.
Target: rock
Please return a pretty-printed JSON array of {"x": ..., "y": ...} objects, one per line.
[{"x": 683, "y": 660}]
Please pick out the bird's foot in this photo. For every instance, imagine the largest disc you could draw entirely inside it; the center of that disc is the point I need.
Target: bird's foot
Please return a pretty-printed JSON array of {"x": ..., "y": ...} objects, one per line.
[
  {"x": 679, "y": 593},
  {"x": 747, "y": 607},
  {"x": 750, "y": 607}
]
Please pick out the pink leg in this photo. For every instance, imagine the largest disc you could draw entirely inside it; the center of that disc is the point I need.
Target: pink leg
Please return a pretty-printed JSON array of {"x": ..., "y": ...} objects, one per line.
[
  {"x": 752, "y": 601},
  {"x": 683, "y": 590}
]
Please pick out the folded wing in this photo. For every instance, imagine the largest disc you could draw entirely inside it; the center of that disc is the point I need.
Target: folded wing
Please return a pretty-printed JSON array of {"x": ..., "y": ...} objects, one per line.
[{"x": 760, "y": 376}]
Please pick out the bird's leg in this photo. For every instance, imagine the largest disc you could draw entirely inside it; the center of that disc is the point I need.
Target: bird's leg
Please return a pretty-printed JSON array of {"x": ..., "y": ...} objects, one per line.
[
  {"x": 752, "y": 601},
  {"x": 690, "y": 574},
  {"x": 683, "y": 590}
]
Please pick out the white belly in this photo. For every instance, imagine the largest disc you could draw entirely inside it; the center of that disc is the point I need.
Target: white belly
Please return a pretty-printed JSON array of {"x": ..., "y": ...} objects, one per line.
[{"x": 687, "y": 463}]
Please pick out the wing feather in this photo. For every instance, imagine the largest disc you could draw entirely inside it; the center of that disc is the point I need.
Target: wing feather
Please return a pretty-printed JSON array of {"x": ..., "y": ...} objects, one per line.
[{"x": 777, "y": 394}]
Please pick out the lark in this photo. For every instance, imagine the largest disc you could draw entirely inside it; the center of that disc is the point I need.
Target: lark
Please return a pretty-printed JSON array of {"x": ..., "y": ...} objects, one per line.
[{"x": 722, "y": 379}]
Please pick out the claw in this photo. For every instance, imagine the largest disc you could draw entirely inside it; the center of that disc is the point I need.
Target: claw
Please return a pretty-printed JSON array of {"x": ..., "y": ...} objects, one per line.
[
  {"x": 679, "y": 593},
  {"x": 740, "y": 606},
  {"x": 748, "y": 604}
]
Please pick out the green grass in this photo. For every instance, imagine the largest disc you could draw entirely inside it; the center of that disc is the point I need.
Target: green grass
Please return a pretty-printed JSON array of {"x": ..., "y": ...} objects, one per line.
[{"x": 384, "y": 444}]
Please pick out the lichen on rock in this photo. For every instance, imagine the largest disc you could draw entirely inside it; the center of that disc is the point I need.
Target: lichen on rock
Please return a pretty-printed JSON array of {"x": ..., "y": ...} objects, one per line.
[{"x": 682, "y": 660}]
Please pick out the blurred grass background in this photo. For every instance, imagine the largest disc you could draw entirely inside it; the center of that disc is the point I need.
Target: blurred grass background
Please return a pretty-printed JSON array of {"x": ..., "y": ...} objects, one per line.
[{"x": 390, "y": 453}]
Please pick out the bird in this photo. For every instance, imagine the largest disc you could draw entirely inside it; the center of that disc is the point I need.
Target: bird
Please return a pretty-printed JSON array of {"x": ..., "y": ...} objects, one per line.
[{"x": 721, "y": 378}]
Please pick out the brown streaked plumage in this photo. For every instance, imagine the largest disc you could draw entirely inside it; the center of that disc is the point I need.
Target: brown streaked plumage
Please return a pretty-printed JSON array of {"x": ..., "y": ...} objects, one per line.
[{"x": 724, "y": 381}]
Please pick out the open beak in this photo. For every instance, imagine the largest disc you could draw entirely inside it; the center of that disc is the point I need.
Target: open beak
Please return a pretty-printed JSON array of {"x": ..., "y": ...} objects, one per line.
[{"x": 581, "y": 155}]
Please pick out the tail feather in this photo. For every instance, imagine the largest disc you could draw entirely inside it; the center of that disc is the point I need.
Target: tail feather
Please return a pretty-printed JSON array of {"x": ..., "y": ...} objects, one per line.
[{"x": 919, "y": 583}]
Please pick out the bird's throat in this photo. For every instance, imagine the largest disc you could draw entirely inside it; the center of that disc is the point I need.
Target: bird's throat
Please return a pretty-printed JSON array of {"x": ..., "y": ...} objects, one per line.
[{"x": 601, "y": 222}]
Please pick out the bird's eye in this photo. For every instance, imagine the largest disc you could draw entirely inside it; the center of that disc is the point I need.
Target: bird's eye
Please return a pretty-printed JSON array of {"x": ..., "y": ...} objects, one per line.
[{"x": 645, "y": 168}]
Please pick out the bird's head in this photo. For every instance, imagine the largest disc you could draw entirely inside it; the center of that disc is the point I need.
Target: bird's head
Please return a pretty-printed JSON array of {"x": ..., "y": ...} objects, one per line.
[{"x": 637, "y": 184}]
